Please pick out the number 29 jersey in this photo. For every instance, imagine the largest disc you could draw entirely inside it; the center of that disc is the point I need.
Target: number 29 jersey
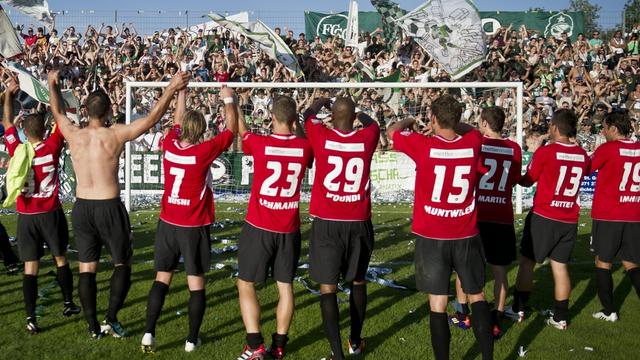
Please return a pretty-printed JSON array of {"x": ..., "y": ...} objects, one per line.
[
  {"x": 279, "y": 163},
  {"x": 341, "y": 188},
  {"x": 558, "y": 169},
  {"x": 446, "y": 173},
  {"x": 188, "y": 198}
]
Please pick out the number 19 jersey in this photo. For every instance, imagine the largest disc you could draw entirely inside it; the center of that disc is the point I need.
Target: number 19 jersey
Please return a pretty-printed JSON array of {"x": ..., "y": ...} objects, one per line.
[
  {"x": 188, "y": 198},
  {"x": 279, "y": 162},
  {"x": 446, "y": 172},
  {"x": 341, "y": 188},
  {"x": 558, "y": 169},
  {"x": 500, "y": 167}
]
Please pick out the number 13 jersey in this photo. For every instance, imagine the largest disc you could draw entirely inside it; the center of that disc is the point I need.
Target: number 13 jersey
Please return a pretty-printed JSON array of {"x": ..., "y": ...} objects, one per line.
[
  {"x": 341, "y": 188},
  {"x": 188, "y": 198},
  {"x": 444, "y": 206},
  {"x": 279, "y": 162}
]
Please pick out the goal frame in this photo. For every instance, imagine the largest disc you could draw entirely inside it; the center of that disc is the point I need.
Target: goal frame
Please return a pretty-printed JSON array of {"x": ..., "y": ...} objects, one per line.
[{"x": 518, "y": 86}]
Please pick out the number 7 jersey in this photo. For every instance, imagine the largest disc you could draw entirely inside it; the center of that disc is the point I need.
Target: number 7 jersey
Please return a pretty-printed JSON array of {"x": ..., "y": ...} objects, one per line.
[
  {"x": 341, "y": 188},
  {"x": 279, "y": 162}
]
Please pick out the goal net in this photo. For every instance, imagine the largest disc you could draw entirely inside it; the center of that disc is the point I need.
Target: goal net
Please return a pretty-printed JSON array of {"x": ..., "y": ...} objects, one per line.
[{"x": 392, "y": 173}]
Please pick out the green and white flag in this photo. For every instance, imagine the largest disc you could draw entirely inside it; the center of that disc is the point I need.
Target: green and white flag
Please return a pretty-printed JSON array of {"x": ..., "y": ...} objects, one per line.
[
  {"x": 450, "y": 31},
  {"x": 265, "y": 38},
  {"x": 40, "y": 92},
  {"x": 389, "y": 12},
  {"x": 351, "y": 35},
  {"x": 9, "y": 43},
  {"x": 38, "y": 9}
]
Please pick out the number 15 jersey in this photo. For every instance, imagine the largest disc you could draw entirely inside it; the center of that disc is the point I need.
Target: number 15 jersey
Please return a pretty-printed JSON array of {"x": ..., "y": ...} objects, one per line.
[
  {"x": 444, "y": 206},
  {"x": 279, "y": 162},
  {"x": 341, "y": 188}
]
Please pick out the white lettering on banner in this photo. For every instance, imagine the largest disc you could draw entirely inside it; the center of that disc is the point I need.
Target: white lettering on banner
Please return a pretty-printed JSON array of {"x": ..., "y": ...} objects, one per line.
[
  {"x": 344, "y": 198},
  {"x": 326, "y": 28},
  {"x": 136, "y": 168},
  {"x": 344, "y": 147},
  {"x": 177, "y": 201},
  {"x": 497, "y": 150},
  {"x": 449, "y": 213},
  {"x": 492, "y": 199},
  {"x": 279, "y": 205},
  {"x": 562, "y": 204},
  {"x": 281, "y": 151},
  {"x": 179, "y": 159},
  {"x": 247, "y": 169},
  {"x": 43, "y": 160},
  {"x": 450, "y": 153},
  {"x": 570, "y": 157},
  {"x": 630, "y": 152},
  {"x": 629, "y": 199},
  {"x": 151, "y": 167}
]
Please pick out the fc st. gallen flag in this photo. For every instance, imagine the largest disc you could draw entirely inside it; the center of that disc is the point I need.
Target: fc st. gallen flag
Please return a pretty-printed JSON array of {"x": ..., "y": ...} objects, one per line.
[
  {"x": 450, "y": 31},
  {"x": 9, "y": 43},
  {"x": 38, "y": 9}
]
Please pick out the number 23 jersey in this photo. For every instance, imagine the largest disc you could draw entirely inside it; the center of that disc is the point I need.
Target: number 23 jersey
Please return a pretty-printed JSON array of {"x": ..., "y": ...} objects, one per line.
[{"x": 188, "y": 198}]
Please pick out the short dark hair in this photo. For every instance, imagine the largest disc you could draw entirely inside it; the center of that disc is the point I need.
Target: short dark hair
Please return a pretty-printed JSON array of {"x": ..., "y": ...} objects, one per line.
[
  {"x": 33, "y": 125},
  {"x": 284, "y": 110},
  {"x": 447, "y": 111},
  {"x": 98, "y": 104},
  {"x": 566, "y": 121},
  {"x": 621, "y": 121},
  {"x": 343, "y": 110},
  {"x": 494, "y": 116}
]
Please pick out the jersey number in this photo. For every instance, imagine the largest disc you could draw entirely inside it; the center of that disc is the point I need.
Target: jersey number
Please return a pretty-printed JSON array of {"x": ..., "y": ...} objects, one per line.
[
  {"x": 47, "y": 184},
  {"x": 458, "y": 182},
  {"x": 293, "y": 170},
  {"x": 631, "y": 170},
  {"x": 353, "y": 172},
  {"x": 179, "y": 174},
  {"x": 493, "y": 166},
  {"x": 574, "y": 181}
]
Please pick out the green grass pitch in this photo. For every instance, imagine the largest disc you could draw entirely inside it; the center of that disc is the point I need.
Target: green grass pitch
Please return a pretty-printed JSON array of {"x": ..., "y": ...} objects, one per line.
[{"x": 396, "y": 325}]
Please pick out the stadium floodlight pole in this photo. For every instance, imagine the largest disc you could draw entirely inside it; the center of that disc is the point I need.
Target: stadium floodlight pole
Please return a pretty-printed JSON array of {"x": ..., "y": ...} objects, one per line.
[{"x": 318, "y": 85}]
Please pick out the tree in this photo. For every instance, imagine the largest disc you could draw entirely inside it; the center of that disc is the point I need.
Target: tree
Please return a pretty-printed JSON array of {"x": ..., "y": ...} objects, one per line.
[
  {"x": 590, "y": 11},
  {"x": 631, "y": 14}
]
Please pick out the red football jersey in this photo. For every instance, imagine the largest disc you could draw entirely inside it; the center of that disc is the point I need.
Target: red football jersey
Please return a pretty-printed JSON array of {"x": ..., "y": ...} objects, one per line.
[
  {"x": 617, "y": 195},
  {"x": 40, "y": 194},
  {"x": 341, "y": 187},
  {"x": 499, "y": 170},
  {"x": 559, "y": 169},
  {"x": 279, "y": 162},
  {"x": 446, "y": 172},
  {"x": 188, "y": 197}
]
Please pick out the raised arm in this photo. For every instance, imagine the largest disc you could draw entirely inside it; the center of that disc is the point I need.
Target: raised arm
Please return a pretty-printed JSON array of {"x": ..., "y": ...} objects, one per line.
[
  {"x": 317, "y": 105},
  {"x": 181, "y": 105},
  {"x": 66, "y": 126},
  {"x": 9, "y": 94},
  {"x": 230, "y": 109},
  {"x": 138, "y": 127},
  {"x": 242, "y": 125},
  {"x": 399, "y": 126}
]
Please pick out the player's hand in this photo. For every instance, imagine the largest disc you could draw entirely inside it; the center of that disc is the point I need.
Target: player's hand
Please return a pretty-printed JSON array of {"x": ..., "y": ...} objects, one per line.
[
  {"x": 179, "y": 81},
  {"x": 226, "y": 92},
  {"x": 54, "y": 77}
]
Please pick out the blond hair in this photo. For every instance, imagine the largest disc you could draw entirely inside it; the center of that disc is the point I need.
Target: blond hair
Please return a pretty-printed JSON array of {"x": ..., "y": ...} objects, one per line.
[{"x": 193, "y": 126}]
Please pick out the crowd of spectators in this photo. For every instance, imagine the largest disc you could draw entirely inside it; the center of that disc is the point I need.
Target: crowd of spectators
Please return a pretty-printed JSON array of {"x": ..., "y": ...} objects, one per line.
[{"x": 588, "y": 75}]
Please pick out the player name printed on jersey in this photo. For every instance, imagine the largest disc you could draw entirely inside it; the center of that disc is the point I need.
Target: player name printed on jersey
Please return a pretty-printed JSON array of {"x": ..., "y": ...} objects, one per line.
[
  {"x": 558, "y": 168},
  {"x": 617, "y": 192},
  {"x": 40, "y": 195},
  {"x": 342, "y": 188},
  {"x": 499, "y": 169},
  {"x": 187, "y": 199},
  {"x": 279, "y": 162},
  {"x": 445, "y": 206}
]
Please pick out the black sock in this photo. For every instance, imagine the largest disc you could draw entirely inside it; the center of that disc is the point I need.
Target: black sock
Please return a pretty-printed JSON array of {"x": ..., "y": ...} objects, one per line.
[
  {"x": 357, "y": 310},
  {"x": 520, "y": 299},
  {"x": 87, "y": 291},
  {"x": 120, "y": 284},
  {"x": 497, "y": 315},
  {"x": 65, "y": 280},
  {"x": 561, "y": 310},
  {"x": 279, "y": 340},
  {"x": 634, "y": 275},
  {"x": 330, "y": 322},
  {"x": 30, "y": 291},
  {"x": 604, "y": 285},
  {"x": 440, "y": 335},
  {"x": 481, "y": 323},
  {"x": 157, "y": 294},
  {"x": 197, "y": 305},
  {"x": 465, "y": 308},
  {"x": 254, "y": 340}
]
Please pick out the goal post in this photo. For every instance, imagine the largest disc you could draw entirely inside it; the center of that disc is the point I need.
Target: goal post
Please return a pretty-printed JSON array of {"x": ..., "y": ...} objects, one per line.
[{"x": 472, "y": 87}]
